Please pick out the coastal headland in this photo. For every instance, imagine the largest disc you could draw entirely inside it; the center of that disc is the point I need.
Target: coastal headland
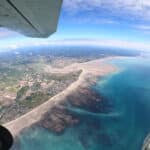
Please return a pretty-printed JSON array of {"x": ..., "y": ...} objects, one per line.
[{"x": 53, "y": 114}]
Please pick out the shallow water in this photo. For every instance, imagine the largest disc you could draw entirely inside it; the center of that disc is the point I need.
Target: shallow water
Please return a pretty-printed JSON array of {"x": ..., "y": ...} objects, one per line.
[{"x": 124, "y": 128}]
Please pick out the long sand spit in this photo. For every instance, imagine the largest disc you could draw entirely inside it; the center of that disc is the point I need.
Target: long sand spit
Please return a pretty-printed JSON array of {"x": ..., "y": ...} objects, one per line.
[{"x": 90, "y": 69}]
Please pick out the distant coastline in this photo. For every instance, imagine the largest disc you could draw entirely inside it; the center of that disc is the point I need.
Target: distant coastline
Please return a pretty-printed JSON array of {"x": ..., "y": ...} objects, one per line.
[{"x": 90, "y": 72}]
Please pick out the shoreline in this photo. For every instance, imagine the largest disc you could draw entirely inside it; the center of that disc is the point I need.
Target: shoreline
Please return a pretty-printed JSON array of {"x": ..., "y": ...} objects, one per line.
[{"x": 90, "y": 70}]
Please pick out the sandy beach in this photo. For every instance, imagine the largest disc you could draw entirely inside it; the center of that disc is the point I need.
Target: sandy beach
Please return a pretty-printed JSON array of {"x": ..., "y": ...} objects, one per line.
[{"x": 90, "y": 70}]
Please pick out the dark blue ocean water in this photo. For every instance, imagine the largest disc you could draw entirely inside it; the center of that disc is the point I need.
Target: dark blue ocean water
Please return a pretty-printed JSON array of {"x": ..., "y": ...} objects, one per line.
[{"x": 123, "y": 128}]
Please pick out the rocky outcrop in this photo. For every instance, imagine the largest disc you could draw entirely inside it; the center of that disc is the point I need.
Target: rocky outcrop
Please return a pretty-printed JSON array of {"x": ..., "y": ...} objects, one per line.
[{"x": 61, "y": 116}]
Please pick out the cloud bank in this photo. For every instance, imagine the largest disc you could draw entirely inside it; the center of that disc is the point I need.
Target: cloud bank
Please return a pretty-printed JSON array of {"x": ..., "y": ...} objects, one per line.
[
  {"x": 76, "y": 42},
  {"x": 122, "y": 11},
  {"x": 103, "y": 43}
]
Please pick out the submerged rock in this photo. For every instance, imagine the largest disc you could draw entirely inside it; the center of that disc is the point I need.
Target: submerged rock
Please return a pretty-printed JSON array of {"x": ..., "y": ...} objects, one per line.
[
  {"x": 90, "y": 100},
  {"x": 57, "y": 119}
]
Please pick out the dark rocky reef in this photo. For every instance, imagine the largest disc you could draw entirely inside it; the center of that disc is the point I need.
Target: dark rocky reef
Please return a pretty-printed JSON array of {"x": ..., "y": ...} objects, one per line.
[
  {"x": 57, "y": 119},
  {"x": 61, "y": 116},
  {"x": 90, "y": 100}
]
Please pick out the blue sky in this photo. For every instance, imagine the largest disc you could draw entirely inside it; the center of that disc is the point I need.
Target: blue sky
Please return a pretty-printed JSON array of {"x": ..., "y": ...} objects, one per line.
[
  {"x": 124, "y": 23},
  {"x": 112, "y": 19}
]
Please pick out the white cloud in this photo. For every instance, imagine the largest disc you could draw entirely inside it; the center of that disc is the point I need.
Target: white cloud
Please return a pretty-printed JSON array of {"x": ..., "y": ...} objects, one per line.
[
  {"x": 134, "y": 14},
  {"x": 12, "y": 45},
  {"x": 5, "y": 33},
  {"x": 133, "y": 9},
  {"x": 106, "y": 43},
  {"x": 143, "y": 27},
  {"x": 76, "y": 5}
]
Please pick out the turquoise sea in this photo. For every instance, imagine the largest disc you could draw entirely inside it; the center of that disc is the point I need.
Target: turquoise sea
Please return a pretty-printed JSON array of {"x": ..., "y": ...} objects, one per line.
[{"x": 123, "y": 128}]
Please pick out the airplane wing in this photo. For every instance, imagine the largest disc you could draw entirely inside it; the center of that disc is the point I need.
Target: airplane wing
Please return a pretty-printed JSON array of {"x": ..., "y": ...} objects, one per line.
[{"x": 33, "y": 18}]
